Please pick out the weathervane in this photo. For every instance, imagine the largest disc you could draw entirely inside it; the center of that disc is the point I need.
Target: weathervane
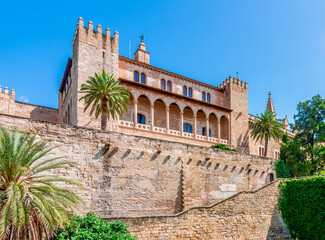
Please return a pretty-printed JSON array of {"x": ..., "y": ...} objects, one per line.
[{"x": 142, "y": 38}]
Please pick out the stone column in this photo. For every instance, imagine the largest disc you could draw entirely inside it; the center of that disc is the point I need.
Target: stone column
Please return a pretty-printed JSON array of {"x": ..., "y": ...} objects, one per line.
[
  {"x": 182, "y": 123},
  {"x": 152, "y": 116},
  {"x": 195, "y": 126},
  {"x": 207, "y": 129},
  {"x": 167, "y": 119},
  {"x": 219, "y": 131},
  {"x": 135, "y": 113}
]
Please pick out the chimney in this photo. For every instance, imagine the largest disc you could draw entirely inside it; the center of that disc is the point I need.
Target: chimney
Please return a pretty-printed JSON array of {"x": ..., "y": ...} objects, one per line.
[{"x": 142, "y": 55}]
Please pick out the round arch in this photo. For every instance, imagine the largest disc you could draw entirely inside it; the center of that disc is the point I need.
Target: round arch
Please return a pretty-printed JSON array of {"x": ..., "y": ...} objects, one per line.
[
  {"x": 174, "y": 117},
  {"x": 143, "y": 111},
  {"x": 159, "y": 113},
  {"x": 213, "y": 125},
  {"x": 201, "y": 122},
  {"x": 224, "y": 128}
]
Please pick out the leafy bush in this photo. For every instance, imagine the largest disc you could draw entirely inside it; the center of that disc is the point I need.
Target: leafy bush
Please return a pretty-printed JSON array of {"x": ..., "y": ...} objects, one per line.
[
  {"x": 223, "y": 147},
  {"x": 92, "y": 227},
  {"x": 281, "y": 169},
  {"x": 302, "y": 203}
]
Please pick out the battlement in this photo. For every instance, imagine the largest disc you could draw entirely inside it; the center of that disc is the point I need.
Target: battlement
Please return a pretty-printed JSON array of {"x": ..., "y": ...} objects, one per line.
[
  {"x": 96, "y": 38},
  {"x": 5, "y": 95},
  {"x": 233, "y": 81}
]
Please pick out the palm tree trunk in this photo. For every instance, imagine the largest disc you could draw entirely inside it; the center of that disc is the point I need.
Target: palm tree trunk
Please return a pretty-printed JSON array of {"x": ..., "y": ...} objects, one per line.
[
  {"x": 266, "y": 143},
  {"x": 104, "y": 115}
]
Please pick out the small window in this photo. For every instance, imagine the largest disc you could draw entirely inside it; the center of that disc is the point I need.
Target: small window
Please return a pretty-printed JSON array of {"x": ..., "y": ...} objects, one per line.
[
  {"x": 190, "y": 92},
  {"x": 185, "y": 91},
  {"x": 261, "y": 150},
  {"x": 276, "y": 154},
  {"x": 169, "y": 86},
  {"x": 163, "y": 84},
  {"x": 143, "y": 78},
  {"x": 271, "y": 177},
  {"x": 203, "y": 96},
  {"x": 204, "y": 131},
  {"x": 208, "y": 97},
  {"x": 187, "y": 128},
  {"x": 136, "y": 76},
  {"x": 141, "y": 119}
]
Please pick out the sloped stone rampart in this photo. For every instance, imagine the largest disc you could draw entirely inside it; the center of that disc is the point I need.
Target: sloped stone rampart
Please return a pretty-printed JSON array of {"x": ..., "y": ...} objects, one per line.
[{"x": 246, "y": 215}]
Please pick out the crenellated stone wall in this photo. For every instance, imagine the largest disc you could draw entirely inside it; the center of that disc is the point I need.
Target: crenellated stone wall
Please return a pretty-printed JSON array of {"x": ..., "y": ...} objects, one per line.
[
  {"x": 8, "y": 105},
  {"x": 126, "y": 175}
]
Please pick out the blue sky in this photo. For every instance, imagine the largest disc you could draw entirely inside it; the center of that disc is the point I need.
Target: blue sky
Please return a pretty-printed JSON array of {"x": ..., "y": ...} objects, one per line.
[{"x": 276, "y": 46}]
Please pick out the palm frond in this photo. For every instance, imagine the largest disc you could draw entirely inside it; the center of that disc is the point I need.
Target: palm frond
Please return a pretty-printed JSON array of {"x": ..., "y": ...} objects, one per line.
[{"x": 31, "y": 204}]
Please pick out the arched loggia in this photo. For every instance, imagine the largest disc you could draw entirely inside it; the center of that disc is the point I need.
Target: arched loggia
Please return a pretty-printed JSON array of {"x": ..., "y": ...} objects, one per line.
[{"x": 224, "y": 128}]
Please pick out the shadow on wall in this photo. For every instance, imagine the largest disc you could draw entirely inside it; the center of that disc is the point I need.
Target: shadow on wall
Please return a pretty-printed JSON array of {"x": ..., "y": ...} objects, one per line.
[
  {"x": 44, "y": 114},
  {"x": 242, "y": 143},
  {"x": 277, "y": 230}
]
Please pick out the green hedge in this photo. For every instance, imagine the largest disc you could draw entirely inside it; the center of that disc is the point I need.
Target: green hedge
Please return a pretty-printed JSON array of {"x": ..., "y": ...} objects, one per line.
[
  {"x": 281, "y": 169},
  {"x": 302, "y": 203},
  {"x": 224, "y": 147},
  {"x": 92, "y": 227}
]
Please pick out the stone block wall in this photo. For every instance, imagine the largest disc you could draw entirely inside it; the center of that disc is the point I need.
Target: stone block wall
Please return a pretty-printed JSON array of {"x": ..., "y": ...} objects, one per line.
[
  {"x": 246, "y": 215},
  {"x": 8, "y": 105},
  {"x": 127, "y": 175}
]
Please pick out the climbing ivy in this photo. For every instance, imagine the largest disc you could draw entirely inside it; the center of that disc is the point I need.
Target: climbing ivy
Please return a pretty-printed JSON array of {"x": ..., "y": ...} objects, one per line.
[
  {"x": 302, "y": 203},
  {"x": 281, "y": 169}
]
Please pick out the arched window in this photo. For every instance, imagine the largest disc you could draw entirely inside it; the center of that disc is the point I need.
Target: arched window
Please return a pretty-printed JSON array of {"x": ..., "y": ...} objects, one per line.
[
  {"x": 136, "y": 76},
  {"x": 190, "y": 94},
  {"x": 163, "y": 84},
  {"x": 204, "y": 131},
  {"x": 208, "y": 97},
  {"x": 169, "y": 86},
  {"x": 203, "y": 96},
  {"x": 143, "y": 78},
  {"x": 187, "y": 128},
  {"x": 185, "y": 91},
  {"x": 141, "y": 119}
]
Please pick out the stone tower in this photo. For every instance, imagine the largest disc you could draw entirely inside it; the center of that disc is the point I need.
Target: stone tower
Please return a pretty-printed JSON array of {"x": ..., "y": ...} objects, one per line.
[
  {"x": 236, "y": 95},
  {"x": 93, "y": 51}
]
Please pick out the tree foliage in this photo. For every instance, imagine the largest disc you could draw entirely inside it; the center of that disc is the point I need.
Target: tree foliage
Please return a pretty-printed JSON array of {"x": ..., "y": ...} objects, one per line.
[
  {"x": 302, "y": 203},
  {"x": 266, "y": 127},
  {"x": 31, "y": 205},
  {"x": 92, "y": 227},
  {"x": 104, "y": 96},
  {"x": 305, "y": 153},
  {"x": 282, "y": 171}
]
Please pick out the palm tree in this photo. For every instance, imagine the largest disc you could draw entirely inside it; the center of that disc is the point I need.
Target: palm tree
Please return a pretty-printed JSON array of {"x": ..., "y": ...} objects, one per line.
[
  {"x": 105, "y": 97},
  {"x": 266, "y": 127},
  {"x": 31, "y": 205}
]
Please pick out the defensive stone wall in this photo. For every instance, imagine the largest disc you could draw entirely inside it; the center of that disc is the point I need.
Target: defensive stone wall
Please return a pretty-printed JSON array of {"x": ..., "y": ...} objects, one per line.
[
  {"x": 247, "y": 215},
  {"x": 125, "y": 175},
  {"x": 8, "y": 105}
]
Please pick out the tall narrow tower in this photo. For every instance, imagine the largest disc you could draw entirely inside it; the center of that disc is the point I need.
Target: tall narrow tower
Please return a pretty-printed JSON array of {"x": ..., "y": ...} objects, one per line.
[
  {"x": 270, "y": 105},
  {"x": 93, "y": 51}
]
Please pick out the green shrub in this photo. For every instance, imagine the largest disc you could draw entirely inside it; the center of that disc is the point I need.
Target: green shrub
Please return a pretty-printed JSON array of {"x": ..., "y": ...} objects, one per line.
[
  {"x": 223, "y": 147},
  {"x": 92, "y": 227},
  {"x": 281, "y": 169},
  {"x": 302, "y": 203}
]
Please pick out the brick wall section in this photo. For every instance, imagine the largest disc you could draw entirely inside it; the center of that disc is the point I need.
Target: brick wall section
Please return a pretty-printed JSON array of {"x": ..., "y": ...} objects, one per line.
[
  {"x": 135, "y": 176},
  {"x": 247, "y": 215}
]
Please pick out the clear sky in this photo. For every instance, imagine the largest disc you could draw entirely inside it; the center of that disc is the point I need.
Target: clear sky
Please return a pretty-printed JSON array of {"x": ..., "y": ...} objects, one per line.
[{"x": 275, "y": 45}]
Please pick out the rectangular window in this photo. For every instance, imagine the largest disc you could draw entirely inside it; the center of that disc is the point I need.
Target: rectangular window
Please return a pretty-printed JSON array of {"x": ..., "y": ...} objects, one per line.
[
  {"x": 261, "y": 150},
  {"x": 187, "y": 128}
]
